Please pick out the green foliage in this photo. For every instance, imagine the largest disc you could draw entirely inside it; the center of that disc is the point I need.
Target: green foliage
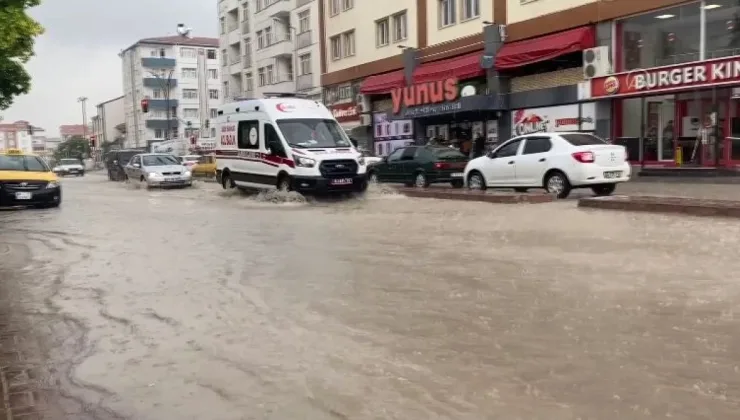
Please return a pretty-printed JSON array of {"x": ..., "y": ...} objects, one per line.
[
  {"x": 17, "y": 34},
  {"x": 76, "y": 147}
]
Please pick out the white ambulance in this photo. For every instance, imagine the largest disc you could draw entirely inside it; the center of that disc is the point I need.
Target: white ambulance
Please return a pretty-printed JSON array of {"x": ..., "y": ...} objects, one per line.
[{"x": 285, "y": 143}]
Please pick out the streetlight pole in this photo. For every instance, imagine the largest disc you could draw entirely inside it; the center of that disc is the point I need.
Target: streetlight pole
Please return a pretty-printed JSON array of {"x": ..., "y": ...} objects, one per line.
[
  {"x": 295, "y": 56},
  {"x": 83, "y": 103}
]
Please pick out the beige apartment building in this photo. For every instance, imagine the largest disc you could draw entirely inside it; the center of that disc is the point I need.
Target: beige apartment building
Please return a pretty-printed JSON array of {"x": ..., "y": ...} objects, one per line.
[{"x": 646, "y": 74}]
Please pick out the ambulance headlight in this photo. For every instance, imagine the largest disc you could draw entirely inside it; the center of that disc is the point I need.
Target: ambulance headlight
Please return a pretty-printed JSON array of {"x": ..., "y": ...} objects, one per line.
[{"x": 303, "y": 162}]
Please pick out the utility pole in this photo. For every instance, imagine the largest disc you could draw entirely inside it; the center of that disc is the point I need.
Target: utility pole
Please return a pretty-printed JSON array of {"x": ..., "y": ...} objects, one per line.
[
  {"x": 83, "y": 101},
  {"x": 295, "y": 57}
]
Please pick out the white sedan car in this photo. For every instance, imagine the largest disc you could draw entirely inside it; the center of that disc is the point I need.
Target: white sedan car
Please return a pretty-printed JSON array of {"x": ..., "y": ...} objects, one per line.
[{"x": 557, "y": 162}]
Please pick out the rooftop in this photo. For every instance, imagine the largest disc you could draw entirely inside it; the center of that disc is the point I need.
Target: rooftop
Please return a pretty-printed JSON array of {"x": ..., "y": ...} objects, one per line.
[{"x": 177, "y": 40}]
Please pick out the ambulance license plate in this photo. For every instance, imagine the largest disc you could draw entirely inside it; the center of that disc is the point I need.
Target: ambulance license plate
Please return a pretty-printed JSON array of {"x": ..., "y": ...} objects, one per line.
[{"x": 341, "y": 181}]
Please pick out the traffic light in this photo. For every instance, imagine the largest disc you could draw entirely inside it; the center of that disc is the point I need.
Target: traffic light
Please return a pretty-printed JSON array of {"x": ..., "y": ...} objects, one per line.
[
  {"x": 145, "y": 105},
  {"x": 92, "y": 141},
  {"x": 208, "y": 123}
]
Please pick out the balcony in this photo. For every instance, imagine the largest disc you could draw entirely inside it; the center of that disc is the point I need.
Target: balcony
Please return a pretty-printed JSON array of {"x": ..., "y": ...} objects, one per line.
[
  {"x": 278, "y": 8},
  {"x": 305, "y": 82},
  {"x": 236, "y": 68},
  {"x": 245, "y": 27},
  {"x": 304, "y": 39},
  {"x": 282, "y": 84},
  {"x": 157, "y": 124},
  {"x": 234, "y": 37},
  {"x": 247, "y": 61},
  {"x": 282, "y": 47},
  {"x": 300, "y": 3},
  {"x": 158, "y": 62},
  {"x": 161, "y": 103},
  {"x": 157, "y": 83}
]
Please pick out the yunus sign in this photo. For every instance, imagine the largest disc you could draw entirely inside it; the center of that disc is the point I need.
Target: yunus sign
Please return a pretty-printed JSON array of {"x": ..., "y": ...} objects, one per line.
[
  {"x": 424, "y": 94},
  {"x": 660, "y": 79}
]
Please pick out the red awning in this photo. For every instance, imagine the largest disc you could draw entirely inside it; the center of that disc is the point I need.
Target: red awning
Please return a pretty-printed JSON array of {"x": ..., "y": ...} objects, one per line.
[
  {"x": 383, "y": 83},
  {"x": 535, "y": 50},
  {"x": 462, "y": 67}
]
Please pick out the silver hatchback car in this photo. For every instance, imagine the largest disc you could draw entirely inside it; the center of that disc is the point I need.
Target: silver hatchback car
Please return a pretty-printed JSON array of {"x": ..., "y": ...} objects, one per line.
[{"x": 158, "y": 170}]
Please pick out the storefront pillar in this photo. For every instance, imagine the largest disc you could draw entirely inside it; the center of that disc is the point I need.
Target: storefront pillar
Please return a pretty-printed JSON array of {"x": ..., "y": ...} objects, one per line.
[{"x": 498, "y": 84}]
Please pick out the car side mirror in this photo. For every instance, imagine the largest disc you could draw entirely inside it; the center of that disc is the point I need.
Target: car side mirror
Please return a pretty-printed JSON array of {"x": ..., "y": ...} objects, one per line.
[
  {"x": 492, "y": 155},
  {"x": 115, "y": 162},
  {"x": 136, "y": 165}
]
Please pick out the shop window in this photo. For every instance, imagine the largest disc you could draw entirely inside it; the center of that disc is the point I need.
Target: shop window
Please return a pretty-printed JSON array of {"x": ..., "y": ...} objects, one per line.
[
  {"x": 661, "y": 38},
  {"x": 722, "y": 28}
]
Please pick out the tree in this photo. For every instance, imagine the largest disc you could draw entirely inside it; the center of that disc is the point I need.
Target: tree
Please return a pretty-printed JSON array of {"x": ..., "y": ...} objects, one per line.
[
  {"x": 17, "y": 34},
  {"x": 74, "y": 148}
]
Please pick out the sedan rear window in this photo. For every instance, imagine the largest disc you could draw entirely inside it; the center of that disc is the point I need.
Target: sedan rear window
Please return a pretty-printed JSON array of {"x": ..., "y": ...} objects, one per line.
[
  {"x": 582, "y": 139},
  {"x": 446, "y": 153}
]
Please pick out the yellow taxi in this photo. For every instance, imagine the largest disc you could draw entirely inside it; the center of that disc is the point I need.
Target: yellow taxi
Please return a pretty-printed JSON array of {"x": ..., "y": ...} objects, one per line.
[
  {"x": 26, "y": 180},
  {"x": 206, "y": 166}
]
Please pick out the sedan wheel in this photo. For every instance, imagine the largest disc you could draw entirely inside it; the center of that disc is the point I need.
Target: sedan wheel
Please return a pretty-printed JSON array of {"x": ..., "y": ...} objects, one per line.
[
  {"x": 420, "y": 181},
  {"x": 373, "y": 178},
  {"x": 558, "y": 184},
  {"x": 476, "y": 182}
]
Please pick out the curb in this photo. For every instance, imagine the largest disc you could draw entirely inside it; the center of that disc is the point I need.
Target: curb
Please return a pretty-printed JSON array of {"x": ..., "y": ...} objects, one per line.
[
  {"x": 479, "y": 196},
  {"x": 667, "y": 205}
]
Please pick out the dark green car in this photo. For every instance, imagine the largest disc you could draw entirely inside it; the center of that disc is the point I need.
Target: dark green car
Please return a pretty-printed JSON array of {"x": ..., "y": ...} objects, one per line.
[{"x": 420, "y": 166}]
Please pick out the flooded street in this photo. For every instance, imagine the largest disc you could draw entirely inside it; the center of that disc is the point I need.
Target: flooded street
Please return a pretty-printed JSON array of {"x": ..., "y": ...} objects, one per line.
[{"x": 196, "y": 304}]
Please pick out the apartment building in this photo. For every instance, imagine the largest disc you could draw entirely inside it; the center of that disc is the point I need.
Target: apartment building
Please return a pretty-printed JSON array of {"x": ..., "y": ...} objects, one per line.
[
  {"x": 67, "y": 131},
  {"x": 108, "y": 121},
  {"x": 179, "y": 81},
  {"x": 269, "y": 46},
  {"x": 18, "y": 135},
  {"x": 455, "y": 69}
]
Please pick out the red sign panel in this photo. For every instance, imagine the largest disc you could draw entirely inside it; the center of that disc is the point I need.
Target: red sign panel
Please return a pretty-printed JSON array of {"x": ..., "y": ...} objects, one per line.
[
  {"x": 669, "y": 78},
  {"x": 345, "y": 112}
]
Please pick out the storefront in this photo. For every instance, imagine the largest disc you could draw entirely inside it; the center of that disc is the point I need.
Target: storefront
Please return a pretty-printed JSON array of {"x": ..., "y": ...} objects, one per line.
[
  {"x": 563, "y": 118},
  {"x": 673, "y": 95}
]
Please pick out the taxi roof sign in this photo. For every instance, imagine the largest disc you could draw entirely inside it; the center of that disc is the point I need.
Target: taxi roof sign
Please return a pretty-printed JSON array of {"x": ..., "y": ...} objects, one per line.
[{"x": 14, "y": 152}]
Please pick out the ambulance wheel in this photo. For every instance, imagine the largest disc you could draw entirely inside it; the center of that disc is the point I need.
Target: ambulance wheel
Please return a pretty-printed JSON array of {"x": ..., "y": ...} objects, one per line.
[
  {"x": 284, "y": 183},
  {"x": 226, "y": 181}
]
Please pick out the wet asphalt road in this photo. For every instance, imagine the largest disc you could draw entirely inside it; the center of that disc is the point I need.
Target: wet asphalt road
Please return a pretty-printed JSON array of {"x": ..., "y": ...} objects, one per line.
[{"x": 195, "y": 304}]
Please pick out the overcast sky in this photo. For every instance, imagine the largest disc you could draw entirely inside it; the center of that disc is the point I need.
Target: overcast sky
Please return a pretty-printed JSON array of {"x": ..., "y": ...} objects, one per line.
[{"x": 78, "y": 53}]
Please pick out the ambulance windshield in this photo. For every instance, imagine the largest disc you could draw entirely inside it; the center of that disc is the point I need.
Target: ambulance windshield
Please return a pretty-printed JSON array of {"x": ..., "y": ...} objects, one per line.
[{"x": 313, "y": 133}]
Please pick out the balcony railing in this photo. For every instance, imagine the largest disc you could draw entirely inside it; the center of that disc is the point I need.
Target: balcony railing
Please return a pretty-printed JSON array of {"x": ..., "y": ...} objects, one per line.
[
  {"x": 159, "y": 83},
  {"x": 305, "y": 82},
  {"x": 304, "y": 39},
  {"x": 162, "y": 103},
  {"x": 158, "y": 62},
  {"x": 300, "y": 3},
  {"x": 245, "y": 27},
  {"x": 235, "y": 59},
  {"x": 246, "y": 60}
]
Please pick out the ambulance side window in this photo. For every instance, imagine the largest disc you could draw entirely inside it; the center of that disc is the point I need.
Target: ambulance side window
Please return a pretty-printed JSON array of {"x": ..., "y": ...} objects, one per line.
[
  {"x": 273, "y": 140},
  {"x": 249, "y": 134}
]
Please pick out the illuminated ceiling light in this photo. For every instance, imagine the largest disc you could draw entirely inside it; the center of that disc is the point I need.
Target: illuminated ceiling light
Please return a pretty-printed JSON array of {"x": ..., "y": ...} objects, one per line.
[
  {"x": 665, "y": 16},
  {"x": 712, "y": 6}
]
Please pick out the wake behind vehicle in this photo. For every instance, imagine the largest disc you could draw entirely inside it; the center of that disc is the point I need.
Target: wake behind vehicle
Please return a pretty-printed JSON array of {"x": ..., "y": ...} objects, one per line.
[
  {"x": 26, "y": 180},
  {"x": 158, "y": 170},
  {"x": 288, "y": 144},
  {"x": 116, "y": 161},
  {"x": 557, "y": 162},
  {"x": 69, "y": 167},
  {"x": 421, "y": 166}
]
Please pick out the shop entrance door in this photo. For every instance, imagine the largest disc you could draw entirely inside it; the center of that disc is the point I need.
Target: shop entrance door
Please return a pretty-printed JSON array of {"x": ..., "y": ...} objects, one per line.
[{"x": 703, "y": 123}]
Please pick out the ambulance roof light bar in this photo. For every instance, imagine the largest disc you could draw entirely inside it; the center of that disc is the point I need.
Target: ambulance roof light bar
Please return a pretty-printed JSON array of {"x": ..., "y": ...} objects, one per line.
[{"x": 284, "y": 95}]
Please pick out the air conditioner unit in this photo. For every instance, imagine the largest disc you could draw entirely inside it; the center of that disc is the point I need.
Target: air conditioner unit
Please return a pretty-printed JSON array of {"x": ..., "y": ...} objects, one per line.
[{"x": 596, "y": 62}]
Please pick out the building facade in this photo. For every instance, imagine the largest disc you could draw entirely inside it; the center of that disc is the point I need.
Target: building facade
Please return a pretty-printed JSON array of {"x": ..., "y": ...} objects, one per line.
[
  {"x": 660, "y": 77},
  {"x": 67, "y": 131},
  {"x": 178, "y": 79},
  {"x": 109, "y": 115},
  {"x": 18, "y": 135},
  {"x": 269, "y": 46}
]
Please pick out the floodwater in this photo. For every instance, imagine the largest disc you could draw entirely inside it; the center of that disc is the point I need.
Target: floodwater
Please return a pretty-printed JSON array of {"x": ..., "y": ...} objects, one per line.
[{"x": 198, "y": 304}]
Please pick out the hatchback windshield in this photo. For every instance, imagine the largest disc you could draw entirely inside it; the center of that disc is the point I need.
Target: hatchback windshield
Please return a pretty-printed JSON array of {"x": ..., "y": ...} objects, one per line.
[
  {"x": 306, "y": 133},
  {"x": 159, "y": 160},
  {"x": 445, "y": 153},
  {"x": 69, "y": 162},
  {"x": 22, "y": 163},
  {"x": 582, "y": 139}
]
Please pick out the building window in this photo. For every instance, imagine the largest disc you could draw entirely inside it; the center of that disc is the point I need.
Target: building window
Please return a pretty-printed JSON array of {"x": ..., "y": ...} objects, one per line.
[
  {"x": 213, "y": 93},
  {"x": 248, "y": 82},
  {"x": 304, "y": 63},
  {"x": 224, "y": 57},
  {"x": 347, "y": 4},
  {"x": 304, "y": 21},
  {"x": 333, "y": 7},
  {"x": 470, "y": 9},
  {"x": 345, "y": 92},
  {"x": 189, "y": 73},
  {"x": 190, "y": 113},
  {"x": 157, "y": 94},
  {"x": 188, "y": 53},
  {"x": 447, "y": 10},
  {"x": 400, "y": 30},
  {"x": 261, "y": 80},
  {"x": 213, "y": 74},
  {"x": 382, "y": 32},
  {"x": 190, "y": 94},
  {"x": 669, "y": 36},
  {"x": 211, "y": 54},
  {"x": 158, "y": 134},
  {"x": 722, "y": 32},
  {"x": 214, "y": 112},
  {"x": 260, "y": 40},
  {"x": 270, "y": 74},
  {"x": 348, "y": 43},
  {"x": 268, "y": 36},
  {"x": 336, "y": 47}
]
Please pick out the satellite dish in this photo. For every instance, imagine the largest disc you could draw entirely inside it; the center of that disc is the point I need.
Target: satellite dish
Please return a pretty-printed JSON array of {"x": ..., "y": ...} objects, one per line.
[{"x": 183, "y": 30}]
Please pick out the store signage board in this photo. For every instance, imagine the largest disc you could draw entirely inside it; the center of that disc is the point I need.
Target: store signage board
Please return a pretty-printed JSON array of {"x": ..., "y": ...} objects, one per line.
[
  {"x": 553, "y": 119},
  {"x": 717, "y": 72},
  {"x": 346, "y": 112},
  {"x": 427, "y": 93}
]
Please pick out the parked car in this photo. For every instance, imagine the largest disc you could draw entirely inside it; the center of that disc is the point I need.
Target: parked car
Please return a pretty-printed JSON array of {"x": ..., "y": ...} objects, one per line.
[
  {"x": 420, "y": 166},
  {"x": 116, "y": 161},
  {"x": 158, "y": 170},
  {"x": 69, "y": 167},
  {"x": 206, "y": 166},
  {"x": 370, "y": 158},
  {"x": 189, "y": 160},
  {"x": 557, "y": 162}
]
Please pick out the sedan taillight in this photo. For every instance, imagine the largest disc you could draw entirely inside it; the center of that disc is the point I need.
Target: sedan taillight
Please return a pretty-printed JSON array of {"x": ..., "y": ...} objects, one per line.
[
  {"x": 441, "y": 165},
  {"x": 584, "y": 157}
]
